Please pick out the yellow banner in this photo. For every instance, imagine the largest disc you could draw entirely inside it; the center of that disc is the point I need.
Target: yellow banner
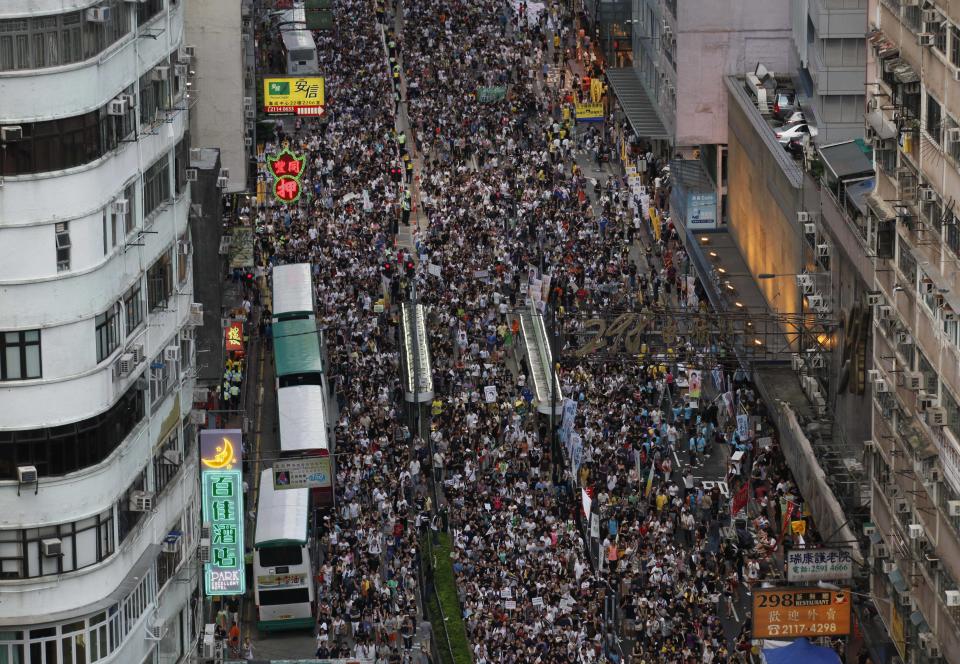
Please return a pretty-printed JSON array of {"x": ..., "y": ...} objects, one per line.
[
  {"x": 655, "y": 223},
  {"x": 301, "y": 95},
  {"x": 589, "y": 112},
  {"x": 596, "y": 90}
]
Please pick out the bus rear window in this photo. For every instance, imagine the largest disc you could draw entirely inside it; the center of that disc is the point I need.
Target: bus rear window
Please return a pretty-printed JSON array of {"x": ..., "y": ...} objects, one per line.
[
  {"x": 281, "y": 555},
  {"x": 287, "y": 596}
]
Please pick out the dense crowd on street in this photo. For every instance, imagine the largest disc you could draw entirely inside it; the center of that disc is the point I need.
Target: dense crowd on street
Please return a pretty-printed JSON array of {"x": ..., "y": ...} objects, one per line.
[{"x": 507, "y": 210}]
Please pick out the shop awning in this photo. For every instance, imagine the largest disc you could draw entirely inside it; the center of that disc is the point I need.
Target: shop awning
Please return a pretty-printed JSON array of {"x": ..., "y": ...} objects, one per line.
[
  {"x": 845, "y": 160},
  {"x": 639, "y": 109},
  {"x": 882, "y": 126},
  {"x": 883, "y": 210}
]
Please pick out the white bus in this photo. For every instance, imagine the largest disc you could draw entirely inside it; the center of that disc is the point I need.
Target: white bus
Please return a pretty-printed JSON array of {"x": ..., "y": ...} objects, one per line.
[
  {"x": 299, "y": 47},
  {"x": 292, "y": 292},
  {"x": 282, "y": 572},
  {"x": 302, "y": 413}
]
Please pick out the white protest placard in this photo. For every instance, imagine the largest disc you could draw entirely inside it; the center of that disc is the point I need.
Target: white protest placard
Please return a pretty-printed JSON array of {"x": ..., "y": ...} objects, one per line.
[
  {"x": 490, "y": 393},
  {"x": 510, "y": 604},
  {"x": 538, "y": 601},
  {"x": 505, "y": 593},
  {"x": 433, "y": 269}
]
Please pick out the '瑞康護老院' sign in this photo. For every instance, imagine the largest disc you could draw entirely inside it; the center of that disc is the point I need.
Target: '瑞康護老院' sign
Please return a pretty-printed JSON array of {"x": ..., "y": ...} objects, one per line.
[
  {"x": 300, "y": 95},
  {"x": 819, "y": 565}
]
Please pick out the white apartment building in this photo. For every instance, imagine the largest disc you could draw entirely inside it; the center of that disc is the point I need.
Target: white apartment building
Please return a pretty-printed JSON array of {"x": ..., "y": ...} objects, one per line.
[{"x": 98, "y": 471}]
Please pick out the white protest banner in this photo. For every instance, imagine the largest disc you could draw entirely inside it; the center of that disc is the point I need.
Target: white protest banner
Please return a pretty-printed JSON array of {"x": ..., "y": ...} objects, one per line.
[{"x": 490, "y": 393}]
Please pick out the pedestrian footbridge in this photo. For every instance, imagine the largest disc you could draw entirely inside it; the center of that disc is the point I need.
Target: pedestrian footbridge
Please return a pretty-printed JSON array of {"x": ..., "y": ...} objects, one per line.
[{"x": 418, "y": 374}]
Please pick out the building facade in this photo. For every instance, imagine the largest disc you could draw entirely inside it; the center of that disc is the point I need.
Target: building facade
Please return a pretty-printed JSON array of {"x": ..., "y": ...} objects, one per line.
[
  {"x": 828, "y": 39},
  {"x": 913, "y": 123},
  {"x": 98, "y": 488}
]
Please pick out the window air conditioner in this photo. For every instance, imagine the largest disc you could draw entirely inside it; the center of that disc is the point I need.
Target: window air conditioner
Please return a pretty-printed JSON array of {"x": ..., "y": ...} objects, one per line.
[
  {"x": 171, "y": 353},
  {"x": 823, "y": 250},
  {"x": 880, "y": 550},
  {"x": 189, "y": 51},
  {"x": 925, "y": 39},
  {"x": 203, "y": 551},
  {"x": 952, "y": 597},
  {"x": 52, "y": 547},
  {"x": 901, "y": 505},
  {"x": 99, "y": 14},
  {"x": 117, "y": 107},
  {"x": 885, "y": 311},
  {"x": 222, "y": 182},
  {"x": 928, "y": 194},
  {"x": 180, "y": 70},
  {"x": 28, "y": 475},
  {"x": 810, "y": 229},
  {"x": 121, "y": 206},
  {"x": 11, "y": 133},
  {"x": 191, "y": 174},
  {"x": 889, "y": 567},
  {"x": 880, "y": 386},
  {"x": 141, "y": 501},
  {"x": 160, "y": 73},
  {"x": 171, "y": 543},
  {"x": 125, "y": 365},
  {"x": 936, "y": 416},
  {"x": 225, "y": 172},
  {"x": 138, "y": 355},
  {"x": 183, "y": 247},
  {"x": 803, "y": 216},
  {"x": 915, "y": 530},
  {"x": 953, "y": 507},
  {"x": 248, "y": 141},
  {"x": 874, "y": 299},
  {"x": 914, "y": 380}
]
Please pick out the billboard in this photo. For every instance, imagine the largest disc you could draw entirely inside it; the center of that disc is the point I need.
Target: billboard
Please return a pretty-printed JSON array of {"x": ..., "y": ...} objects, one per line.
[
  {"x": 223, "y": 573},
  {"x": 294, "y": 95},
  {"x": 795, "y": 612},
  {"x": 806, "y": 565},
  {"x": 306, "y": 473}
]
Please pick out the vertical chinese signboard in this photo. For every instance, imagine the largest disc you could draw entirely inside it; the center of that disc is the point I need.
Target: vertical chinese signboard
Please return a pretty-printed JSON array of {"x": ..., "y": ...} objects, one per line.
[
  {"x": 287, "y": 169},
  {"x": 233, "y": 336},
  {"x": 222, "y": 486}
]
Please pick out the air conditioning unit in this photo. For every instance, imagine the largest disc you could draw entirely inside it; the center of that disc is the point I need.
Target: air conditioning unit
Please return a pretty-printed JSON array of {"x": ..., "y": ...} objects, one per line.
[
  {"x": 28, "y": 474},
  {"x": 936, "y": 416},
  {"x": 880, "y": 386},
  {"x": 809, "y": 228},
  {"x": 225, "y": 172},
  {"x": 915, "y": 530},
  {"x": 901, "y": 506},
  {"x": 874, "y": 298},
  {"x": 183, "y": 247},
  {"x": 171, "y": 354},
  {"x": 196, "y": 313},
  {"x": 117, "y": 107},
  {"x": 191, "y": 174},
  {"x": 222, "y": 182},
  {"x": 927, "y": 194},
  {"x": 823, "y": 250},
  {"x": 248, "y": 141},
  {"x": 803, "y": 216},
  {"x": 925, "y": 401},
  {"x": 11, "y": 133},
  {"x": 52, "y": 547},
  {"x": 249, "y": 113},
  {"x": 99, "y": 14},
  {"x": 947, "y": 313},
  {"x": 873, "y": 374},
  {"x": 815, "y": 301},
  {"x": 160, "y": 73},
  {"x": 869, "y": 444},
  {"x": 903, "y": 338},
  {"x": 952, "y": 135},
  {"x": 925, "y": 39},
  {"x": 141, "y": 501},
  {"x": 188, "y": 51},
  {"x": 913, "y": 380},
  {"x": 885, "y": 312},
  {"x": 927, "y": 286},
  {"x": 203, "y": 551},
  {"x": 880, "y": 550},
  {"x": 171, "y": 543},
  {"x": 931, "y": 16},
  {"x": 889, "y": 567},
  {"x": 125, "y": 365},
  {"x": 804, "y": 280},
  {"x": 247, "y": 102},
  {"x": 952, "y": 597},
  {"x": 121, "y": 206},
  {"x": 953, "y": 507},
  {"x": 138, "y": 355},
  {"x": 198, "y": 417},
  {"x": 188, "y": 332}
]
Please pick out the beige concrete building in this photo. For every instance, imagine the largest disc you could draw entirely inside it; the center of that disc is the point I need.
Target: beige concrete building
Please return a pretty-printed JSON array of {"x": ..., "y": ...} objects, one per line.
[{"x": 913, "y": 124}]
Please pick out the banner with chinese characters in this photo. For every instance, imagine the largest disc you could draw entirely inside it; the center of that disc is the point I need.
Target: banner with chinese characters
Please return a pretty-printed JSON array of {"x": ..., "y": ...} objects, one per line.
[
  {"x": 306, "y": 473},
  {"x": 223, "y": 510},
  {"x": 491, "y": 94},
  {"x": 589, "y": 112},
  {"x": 805, "y": 565},
  {"x": 233, "y": 336},
  {"x": 289, "y": 95}
]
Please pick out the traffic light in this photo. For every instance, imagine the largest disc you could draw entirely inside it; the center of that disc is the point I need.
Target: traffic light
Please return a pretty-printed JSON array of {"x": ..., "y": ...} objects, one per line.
[
  {"x": 248, "y": 277},
  {"x": 387, "y": 269},
  {"x": 396, "y": 174},
  {"x": 411, "y": 269}
]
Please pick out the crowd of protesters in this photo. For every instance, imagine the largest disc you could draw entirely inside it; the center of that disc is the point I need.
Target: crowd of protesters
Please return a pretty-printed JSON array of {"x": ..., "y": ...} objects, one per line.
[{"x": 509, "y": 216}]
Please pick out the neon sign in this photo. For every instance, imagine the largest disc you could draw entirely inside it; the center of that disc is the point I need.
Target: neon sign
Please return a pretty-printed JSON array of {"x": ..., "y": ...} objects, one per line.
[
  {"x": 223, "y": 510},
  {"x": 287, "y": 168},
  {"x": 219, "y": 449}
]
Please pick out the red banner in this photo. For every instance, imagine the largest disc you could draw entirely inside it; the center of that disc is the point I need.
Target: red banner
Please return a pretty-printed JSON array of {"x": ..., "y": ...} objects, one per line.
[
  {"x": 740, "y": 499},
  {"x": 233, "y": 336}
]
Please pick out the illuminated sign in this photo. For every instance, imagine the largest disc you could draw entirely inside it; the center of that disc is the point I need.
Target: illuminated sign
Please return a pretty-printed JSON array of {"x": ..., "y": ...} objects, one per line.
[
  {"x": 281, "y": 581},
  {"x": 287, "y": 169},
  {"x": 233, "y": 336},
  {"x": 292, "y": 95},
  {"x": 804, "y": 565},
  {"x": 220, "y": 449},
  {"x": 796, "y": 612},
  {"x": 223, "y": 510},
  {"x": 307, "y": 473}
]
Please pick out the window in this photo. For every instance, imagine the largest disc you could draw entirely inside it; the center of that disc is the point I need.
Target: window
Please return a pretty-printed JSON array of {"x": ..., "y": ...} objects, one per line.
[
  {"x": 130, "y": 217},
  {"x": 133, "y": 306},
  {"x": 183, "y": 259},
  {"x": 55, "y": 145},
  {"x": 62, "y": 39},
  {"x": 166, "y": 461},
  {"x": 156, "y": 186},
  {"x": 911, "y": 17},
  {"x": 933, "y": 119},
  {"x": 160, "y": 281},
  {"x": 288, "y": 596},
  {"x": 155, "y": 90},
  {"x": 906, "y": 262},
  {"x": 108, "y": 332},
  {"x": 181, "y": 157},
  {"x": 71, "y": 447},
  {"x": 163, "y": 373},
  {"x": 274, "y": 556},
  {"x": 955, "y": 46},
  {"x": 20, "y": 355},
  {"x": 62, "y": 238},
  {"x": 128, "y": 519},
  {"x": 940, "y": 30},
  {"x": 83, "y": 543},
  {"x": 147, "y": 10}
]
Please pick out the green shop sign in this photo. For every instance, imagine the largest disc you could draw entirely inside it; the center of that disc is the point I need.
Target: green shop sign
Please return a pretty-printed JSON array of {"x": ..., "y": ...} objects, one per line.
[{"x": 223, "y": 510}]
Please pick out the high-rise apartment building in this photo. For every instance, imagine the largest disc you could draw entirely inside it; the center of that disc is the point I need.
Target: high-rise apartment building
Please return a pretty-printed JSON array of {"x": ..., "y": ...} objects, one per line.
[
  {"x": 913, "y": 124},
  {"x": 98, "y": 488}
]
